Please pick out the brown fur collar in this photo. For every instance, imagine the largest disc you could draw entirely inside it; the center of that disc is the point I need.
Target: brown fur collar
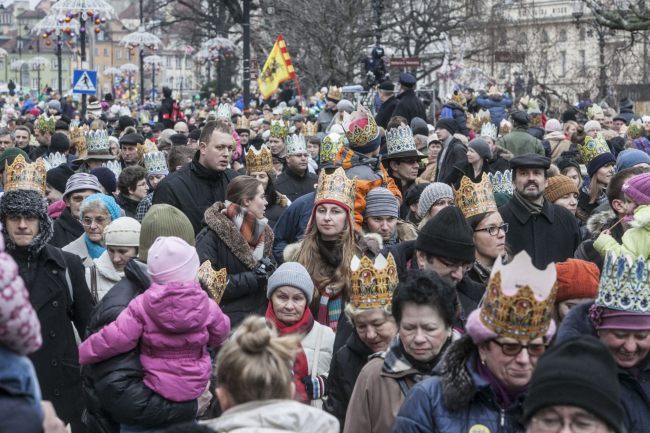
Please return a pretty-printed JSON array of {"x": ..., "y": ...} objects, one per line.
[
  {"x": 406, "y": 231},
  {"x": 226, "y": 230}
]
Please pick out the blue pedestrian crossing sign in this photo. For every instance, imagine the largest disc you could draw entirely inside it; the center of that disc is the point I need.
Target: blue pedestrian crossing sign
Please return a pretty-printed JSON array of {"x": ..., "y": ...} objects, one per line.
[{"x": 84, "y": 81}]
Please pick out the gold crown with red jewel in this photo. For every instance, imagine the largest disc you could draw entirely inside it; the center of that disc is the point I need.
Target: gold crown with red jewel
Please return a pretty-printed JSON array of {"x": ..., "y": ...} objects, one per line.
[
  {"x": 336, "y": 187},
  {"x": 373, "y": 283},
  {"x": 23, "y": 175},
  {"x": 360, "y": 127},
  {"x": 259, "y": 160},
  {"x": 475, "y": 198}
]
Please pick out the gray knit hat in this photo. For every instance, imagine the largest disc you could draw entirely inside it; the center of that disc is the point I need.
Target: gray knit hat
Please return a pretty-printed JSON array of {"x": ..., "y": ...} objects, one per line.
[
  {"x": 381, "y": 202},
  {"x": 481, "y": 147},
  {"x": 291, "y": 274},
  {"x": 431, "y": 194},
  {"x": 123, "y": 232},
  {"x": 82, "y": 181}
]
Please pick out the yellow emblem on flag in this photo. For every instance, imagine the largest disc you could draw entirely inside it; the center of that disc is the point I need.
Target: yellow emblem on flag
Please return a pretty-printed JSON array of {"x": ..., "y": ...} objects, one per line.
[{"x": 277, "y": 68}]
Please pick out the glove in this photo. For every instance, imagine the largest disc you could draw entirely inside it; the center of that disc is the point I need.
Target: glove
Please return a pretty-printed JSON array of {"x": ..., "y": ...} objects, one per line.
[
  {"x": 263, "y": 270},
  {"x": 314, "y": 386}
]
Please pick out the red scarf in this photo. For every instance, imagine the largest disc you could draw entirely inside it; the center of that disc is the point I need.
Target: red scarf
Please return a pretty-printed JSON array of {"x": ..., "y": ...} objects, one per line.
[
  {"x": 249, "y": 226},
  {"x": 301, "y": 366}
]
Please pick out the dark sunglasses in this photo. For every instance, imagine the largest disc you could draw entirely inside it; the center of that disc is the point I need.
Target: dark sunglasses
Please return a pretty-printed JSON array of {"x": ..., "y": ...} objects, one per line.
[{"x": 513, "y": 349}]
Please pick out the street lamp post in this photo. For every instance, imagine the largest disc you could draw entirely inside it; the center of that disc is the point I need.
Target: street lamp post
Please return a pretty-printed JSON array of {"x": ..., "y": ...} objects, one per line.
[
  {"x": 38, "y": 64},
  {"x": 153, "y": 61},
  {"x": 129, "y": 69},
  {"x": 141, "y": 39}
]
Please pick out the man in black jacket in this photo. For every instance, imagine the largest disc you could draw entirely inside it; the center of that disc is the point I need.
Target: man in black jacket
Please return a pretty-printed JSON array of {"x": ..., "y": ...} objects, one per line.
[
  {"x": 201, "y": 183},
  {"x": 114, "y": 390},
  {"x": 453, "y": 152},
  {"x": 296, "y": 180},
  {"x": 548, "y": 232},
  {"x": 386, "y": 92},
  {"x": 58, "y": 292},
  {"x": 409, "y": 105}
]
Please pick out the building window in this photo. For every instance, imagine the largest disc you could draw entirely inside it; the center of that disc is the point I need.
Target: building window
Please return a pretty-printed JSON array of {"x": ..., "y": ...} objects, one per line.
[
  {"x": 179, "y": 61},
  {"x": 96, "y": 50},
  {"x": 168, "y": 62},
  {"x": 563, "y": 61},
  {"x": 543, "y": 36},
  {"x": 105, "y": 52},
  {"x": 118, "y": 54},
  {"x": 583, "y": 62},
  {"x": 581, "y": 34},
  {"x": 188, "y": 63},
  {"x": 563, "y": 37}
]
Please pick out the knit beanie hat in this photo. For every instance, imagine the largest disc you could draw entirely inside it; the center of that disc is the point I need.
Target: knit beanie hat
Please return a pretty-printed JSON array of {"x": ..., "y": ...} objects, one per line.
[
  {"x": 291, "y": 274},
  {"x": 578, "y": 372},
  {"x": 631, "y": 157},
  {"x": 431, "y": 194},
  {"x": 448, "y": 235},
  {"x": 123, "y": 232},
  {"x": 638, "y": 188},
  {"x": 558, "y": 187},
  {"x": 381, "y": 202},
  {"x": 449, "y": 124},
  {"x": 598, "y": 162},
  {"x": 59, "y": 143},
  {"x": 81, "y": 181},
  {"x": 564, "y": 162},
  {"x": 57, "y": 177},
  {"x": 592, "y": 125},
  {"x": 576, "y": 279},
  {"x": 552, "y": 125},
  {"x": 106, "y": 178},
  {"x": 481, "y": 147},
  {"x": 26, "y": 203},
  {"x": 7, "y": 157},
  {"x": 172, "y": 260},
  {"x": 163, "y": 220}
]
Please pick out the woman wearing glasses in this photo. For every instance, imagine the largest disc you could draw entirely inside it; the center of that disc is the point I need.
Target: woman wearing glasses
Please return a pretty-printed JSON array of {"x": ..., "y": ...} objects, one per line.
[
  {"x": 96, "y": 212},
  {"x": 483, "y": 380}
]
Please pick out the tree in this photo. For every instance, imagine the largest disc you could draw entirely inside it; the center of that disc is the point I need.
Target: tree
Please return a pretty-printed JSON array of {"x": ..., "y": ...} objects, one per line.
[{"x": 628, "y": 15}]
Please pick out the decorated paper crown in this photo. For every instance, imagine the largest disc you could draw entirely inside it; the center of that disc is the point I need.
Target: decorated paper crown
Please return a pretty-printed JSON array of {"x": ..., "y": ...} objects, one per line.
[
  {"x": 504, "y": 127},
  {"x": 458, "y": 98},
  {"x": 360, "y": 127},
  {"x": 594, "y": 110},
  {"x": 295, "y": 145},
  {"x": 224, "y": 111},
  {"x": 475, "y": 198},
  {"x": 156, "y": 163},
  {"x": 635, "y": 129},
  {"x": 23, "y": 175},
  {"x": 310, "y": 129},
  {"x": 624, "y": 284},
  {"x": 373, "y": 284},
  {"x": 113, "y": 166},
  {"x": 147, "y": 147},
  {"x": 46, "y": 123},
  {"x": 54, "y": 160},
  {"x": 337, "y": 187},
  {"x": 502, "y": 182},
  {"x": 97, "y": 142},
  {"x": 489, "y": 130},
  {"x": 593, "y": 147},
  {"x": 399, "y": 140},
  {"x": 242, "y": 123},
  {"x": 259, "y": 160},
  {"x": 335, "y": 93},
  {"x": 519, "y": 299},
  {"x": 330, "y": 147},
  {"x": 278, "y": 129},
  {"x": 78, "y": 135},
  {"x": 214, "y": 282},
  {"x": 477, "y": 122}
]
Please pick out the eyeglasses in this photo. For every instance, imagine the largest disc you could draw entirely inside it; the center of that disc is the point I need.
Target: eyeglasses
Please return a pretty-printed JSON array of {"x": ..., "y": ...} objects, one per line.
[
  {"x": 494, "y": 230},
  {"x": 465, "y": 266},
  {"x": 554, "y": 423},
  {"x": 513, "y": 349},
  {"x": 99, "y": 220}
]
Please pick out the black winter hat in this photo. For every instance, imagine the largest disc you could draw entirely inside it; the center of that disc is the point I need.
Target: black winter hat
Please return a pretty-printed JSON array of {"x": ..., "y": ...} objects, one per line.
[
  {"x": 25, "y": 202},
  {"x": 520, "y": 117},
  {"x": 179, "y": 139},
  {"x": 59, "y": 143},
  {"x": 57, "y": 177},
  {"x": 578, "y": 372},
  {"x": 414, "y": 192},
  {"x": 449, "y": 124},
  {"x": 448, "y": 235},
  {"x": 194, "y": 134},
  {"x": 419, "y": 126},
  {"x": 124, "y": 122}
]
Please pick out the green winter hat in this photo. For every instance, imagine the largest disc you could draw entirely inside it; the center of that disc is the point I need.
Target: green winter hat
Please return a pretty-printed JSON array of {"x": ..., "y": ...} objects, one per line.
[{"x": 163, "y": 220}]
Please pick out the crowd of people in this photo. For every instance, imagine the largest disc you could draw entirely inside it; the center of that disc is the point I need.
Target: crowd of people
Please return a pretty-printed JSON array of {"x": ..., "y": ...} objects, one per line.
[{"x": 323, "y": 267}]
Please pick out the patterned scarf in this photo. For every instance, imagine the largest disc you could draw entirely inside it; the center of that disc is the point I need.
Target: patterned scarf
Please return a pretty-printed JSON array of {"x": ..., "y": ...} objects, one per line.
[
  {"x": 330, "y": 306},
  {"x": 250, "y": 227},
  {"x": 94, "y": 250}
]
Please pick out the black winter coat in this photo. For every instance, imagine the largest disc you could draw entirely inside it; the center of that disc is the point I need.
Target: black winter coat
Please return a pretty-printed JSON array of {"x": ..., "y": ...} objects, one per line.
[
  {"x": 293, "y": 185},
  {"x": 129, "y": 205},
  {"x": 456, "y": 154},
  {"x": 386, "y": 112},
  {"x": 114, "y": 389},
  {"x": 345, "y": 367},
  {"x": 222, "y": 243},
  {"x": 58, "y": 291},
  {"x": 193, "y": 189},
  {"x": 66, "y": 229},
  {"x": 551, "y": 236},
  {"x": 409, "y": 106}
]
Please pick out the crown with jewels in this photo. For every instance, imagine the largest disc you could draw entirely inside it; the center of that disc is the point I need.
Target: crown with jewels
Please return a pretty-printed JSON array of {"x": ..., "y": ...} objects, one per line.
[
  {"x": 147, "y": 147},
  {"x": 224, "y": 111},
  {"x": 624, "y": 284},
  {"x": 399, "y": 140},
  {"x": 46, "y": 123},
  {"x": 502, "y": 182},
  {"x": 278, "y": 129},
  {"x": 97, "y": 142},
  {"x": 594, "y": 110},
  {"x": 335, "y": 93},
  {"x": 156, "y": 163},
  {"x": 23, "y": 175},
  {"x": 214, "y": 282},
  {"x": 54, "y": 160},
  {"x": 310, "y": 129},
  {"x": 78, "y": 135},
  {"x": 113, "y": 166},
  {"x": 519, "y": 299},
  {"x": 593, "y": 147},
  {"x": 242, "y": 123},
  {"x": 360, "y": 127},
  {"x": 489, "y": 130},
  {"x": 295, "y": 145},
  {"x": 337, "y": 187},
  {"x": 475, "y": 198},
  {"x": 259, "y": 160},
  {"x": 330, "y": 147},
  {"x": 635, "y": 129},
  {"x": 373, "y": 284}
]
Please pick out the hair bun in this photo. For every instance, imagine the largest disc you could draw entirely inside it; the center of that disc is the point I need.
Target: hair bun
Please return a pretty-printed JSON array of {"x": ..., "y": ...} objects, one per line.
[{"x": 254, "y": 336}]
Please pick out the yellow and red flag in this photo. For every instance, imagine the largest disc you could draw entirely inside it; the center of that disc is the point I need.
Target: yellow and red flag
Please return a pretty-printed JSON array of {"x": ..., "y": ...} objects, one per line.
[{"x": 277, "y": 68}]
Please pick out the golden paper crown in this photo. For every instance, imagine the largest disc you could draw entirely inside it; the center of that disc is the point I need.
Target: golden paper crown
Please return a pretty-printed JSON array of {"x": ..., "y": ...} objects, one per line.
[
  {"x": 360, "y": 127},
  {"x": 23, "y": 175},
  {"x": 335, "y": 93},
  {"x": 147, "y": 147},
  {"x": 259, "y": 160},
  {"x": 519, "y": 299},
  {"x": 78, "y": 135},
  {"x": 278, "y": 129},
  {"x": 477, "y": 122},
  {"x": 310, "y": 129},
  {"x": 214, "y": 282},
  {"x": 336, "y": 187},
  {"x": 475, "y": 198},
  {"x": 458, "y": 98},
  {"x": 593, "y": 147},
  {"x": 46, "y": 123},
  {"x": 635, "y": 130},
  {"x": 373, "y": 284},
  {"x": 242, "y": 123},
  {"x": 330, "y": 147},
  {"x": 594, "y": 110}
]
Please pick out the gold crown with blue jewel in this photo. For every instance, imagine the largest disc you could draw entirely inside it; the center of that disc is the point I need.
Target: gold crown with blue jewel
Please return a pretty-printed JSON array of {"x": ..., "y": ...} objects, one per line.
[
  {"x": 156, "y": 163},
  {"x": 373, "y": 283},
  {"x": 624, "y": 284},
  {"x": 22, "y": 175},
  {"x": 330, "y": 147},
  {"x": 259, "y": 160},
  {"x": 593, "y": 147},
  {"x": 278, "y": 129},
  {"x": 336, "y": 187}
]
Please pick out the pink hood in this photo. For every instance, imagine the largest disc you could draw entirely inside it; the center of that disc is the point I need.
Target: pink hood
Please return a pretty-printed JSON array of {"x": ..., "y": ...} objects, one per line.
[{"x": 177, "y": 308}]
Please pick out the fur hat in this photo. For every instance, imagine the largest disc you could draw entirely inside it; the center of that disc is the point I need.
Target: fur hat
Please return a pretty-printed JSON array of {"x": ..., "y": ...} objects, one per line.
[{"x": 26, "y": 203}]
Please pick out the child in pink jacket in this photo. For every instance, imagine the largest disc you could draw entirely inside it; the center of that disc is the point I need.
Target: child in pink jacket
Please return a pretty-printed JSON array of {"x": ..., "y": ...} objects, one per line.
[{"x": 174, "y": 321}]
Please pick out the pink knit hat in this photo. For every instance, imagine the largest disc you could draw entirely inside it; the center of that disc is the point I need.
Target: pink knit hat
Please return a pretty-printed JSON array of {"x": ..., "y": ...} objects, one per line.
[
  {"x": 638, "y": 188},
  {"x": 171, "y": 259}
]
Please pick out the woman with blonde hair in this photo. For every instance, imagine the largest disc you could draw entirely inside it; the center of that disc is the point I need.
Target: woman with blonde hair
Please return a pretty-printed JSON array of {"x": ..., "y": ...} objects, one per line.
[{"x": 255, "y": 387}]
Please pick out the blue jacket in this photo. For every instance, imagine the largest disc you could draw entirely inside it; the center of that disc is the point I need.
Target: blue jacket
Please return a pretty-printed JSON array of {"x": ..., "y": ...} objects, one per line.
[
  {"x": 457, "y": 399},
  {"x": 292, "y": 224},
  {"x": 635, "y": 391},
  {"x": 497, "y": 107}
]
